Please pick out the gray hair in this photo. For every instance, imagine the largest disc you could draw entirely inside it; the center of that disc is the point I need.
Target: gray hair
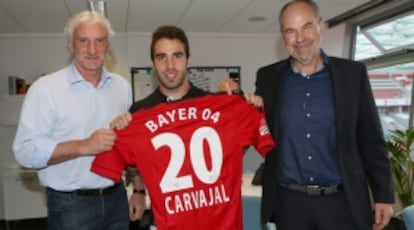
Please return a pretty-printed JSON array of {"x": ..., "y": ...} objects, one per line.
[{"x": 86, "y": 16}]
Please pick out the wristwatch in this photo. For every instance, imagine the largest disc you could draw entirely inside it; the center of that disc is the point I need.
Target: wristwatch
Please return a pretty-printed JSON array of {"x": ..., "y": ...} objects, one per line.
[{"x": 139, "y": 191}]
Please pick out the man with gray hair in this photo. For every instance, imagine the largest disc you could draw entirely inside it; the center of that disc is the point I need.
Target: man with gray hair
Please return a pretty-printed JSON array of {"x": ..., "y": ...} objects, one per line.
[
  {"x": 64, "y": 123},
  {"x": 331, "y": 157},
  {"x": 321, "y": 111}
]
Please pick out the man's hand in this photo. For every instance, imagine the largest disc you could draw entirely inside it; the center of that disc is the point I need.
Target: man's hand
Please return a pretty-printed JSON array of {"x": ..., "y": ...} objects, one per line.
[
  {"x": 137, "y": 202},
  {"x": 383, "y": 214},
  {"x": 254, "y": 99},
  {"x": 121, "y": 121},
  {"x": 100, "y": 141},
  {"x": 229, "y": 86},
  {"x": 137, "y": 205}
]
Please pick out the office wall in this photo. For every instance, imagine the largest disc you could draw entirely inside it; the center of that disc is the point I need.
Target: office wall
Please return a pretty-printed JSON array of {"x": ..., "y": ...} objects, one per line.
[
  {"x": 333, "y": 41},
  {"x": 31, "y": 55}
]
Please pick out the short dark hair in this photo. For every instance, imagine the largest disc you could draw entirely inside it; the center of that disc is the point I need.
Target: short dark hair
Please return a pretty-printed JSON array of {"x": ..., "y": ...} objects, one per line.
[
  {"x": 170, "y": 32},
  {"x": 311, "y": 3}
]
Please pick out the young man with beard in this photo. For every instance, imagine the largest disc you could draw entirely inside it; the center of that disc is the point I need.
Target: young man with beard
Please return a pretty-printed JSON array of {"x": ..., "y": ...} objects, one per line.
[{"x": 182, "y": 141}]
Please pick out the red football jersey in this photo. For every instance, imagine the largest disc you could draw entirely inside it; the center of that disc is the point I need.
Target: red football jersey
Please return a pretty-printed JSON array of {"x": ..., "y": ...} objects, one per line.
[{"x": 189, "y": 154}]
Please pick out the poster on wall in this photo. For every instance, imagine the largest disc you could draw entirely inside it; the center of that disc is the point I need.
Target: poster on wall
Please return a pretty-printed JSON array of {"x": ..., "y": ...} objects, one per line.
[{"x": 143, "y": 82}]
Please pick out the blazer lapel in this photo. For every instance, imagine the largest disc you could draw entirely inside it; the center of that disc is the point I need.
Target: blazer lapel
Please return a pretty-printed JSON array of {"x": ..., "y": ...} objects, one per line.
[
  {"x": 340, "y": 96},
  {"x": 273, "y": 97}
]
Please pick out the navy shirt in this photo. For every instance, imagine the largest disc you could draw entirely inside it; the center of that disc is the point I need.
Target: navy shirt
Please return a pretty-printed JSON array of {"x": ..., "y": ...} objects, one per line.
[{"x": 307, "y": 137}]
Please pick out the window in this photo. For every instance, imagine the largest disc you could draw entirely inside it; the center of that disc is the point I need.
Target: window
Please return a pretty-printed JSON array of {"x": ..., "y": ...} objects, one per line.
[
  {"x": 385, "y": 37},
  {"x": 392, "y": 88},
  {"x": 386, "y": 48}
]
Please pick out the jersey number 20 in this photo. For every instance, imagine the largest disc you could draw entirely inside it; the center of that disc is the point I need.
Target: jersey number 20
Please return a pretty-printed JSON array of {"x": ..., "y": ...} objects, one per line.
[{"x": 171, "y": 181}]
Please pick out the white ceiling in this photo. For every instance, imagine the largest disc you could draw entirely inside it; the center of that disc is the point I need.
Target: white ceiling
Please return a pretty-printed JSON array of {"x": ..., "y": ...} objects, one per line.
[{"x": 216, "y": 16}]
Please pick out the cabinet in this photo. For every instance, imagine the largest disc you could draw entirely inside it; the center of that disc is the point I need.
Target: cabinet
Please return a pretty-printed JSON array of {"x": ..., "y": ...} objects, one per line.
[
  {"x": 10, "y": 106},
  {"x": 23, "y": 196}
]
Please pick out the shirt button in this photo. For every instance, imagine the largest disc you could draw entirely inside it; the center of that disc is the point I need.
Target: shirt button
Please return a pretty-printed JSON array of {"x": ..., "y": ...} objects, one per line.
[
  {"x": 308, "y": 135},
  {"x": 311, "y": 178},
  {"x": 309, "y": 157},
  {"x": 307, "y": 94},
  {"x": 308, "y": 114}
]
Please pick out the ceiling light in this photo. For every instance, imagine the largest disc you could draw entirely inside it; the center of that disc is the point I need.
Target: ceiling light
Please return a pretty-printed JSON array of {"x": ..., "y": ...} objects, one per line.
[
  {"x": 98, "y": 6},
  {"x": 256, "y": 18}
]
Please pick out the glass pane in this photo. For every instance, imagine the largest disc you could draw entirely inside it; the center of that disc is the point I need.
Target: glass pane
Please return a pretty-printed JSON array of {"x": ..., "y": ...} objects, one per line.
[
  {"x": 364, "y": 48},
  {"x": 392, "y": 87},
  {"x": 384, "y": 38},
  {"x": 394, "y": 34}
]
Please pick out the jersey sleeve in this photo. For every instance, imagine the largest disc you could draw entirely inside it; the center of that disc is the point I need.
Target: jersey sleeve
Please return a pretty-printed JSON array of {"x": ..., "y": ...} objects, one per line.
[
  {"x": 112, "y": 163},
  {"x": 253, "y": 128},
  {"x": 109, "y": 164}
]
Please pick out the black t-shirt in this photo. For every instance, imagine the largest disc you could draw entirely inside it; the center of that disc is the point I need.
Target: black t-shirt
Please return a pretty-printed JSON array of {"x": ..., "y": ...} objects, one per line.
[{"x": 157, "y": 97}]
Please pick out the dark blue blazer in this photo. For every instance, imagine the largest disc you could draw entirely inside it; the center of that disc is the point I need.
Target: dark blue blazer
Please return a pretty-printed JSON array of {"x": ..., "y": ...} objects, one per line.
[{"x": 361, "y": 151}]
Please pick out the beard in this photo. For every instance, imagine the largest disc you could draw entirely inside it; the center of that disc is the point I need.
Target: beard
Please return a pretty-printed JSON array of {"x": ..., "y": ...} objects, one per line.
[
  {"x": 304, "y": 57},
  {"x": 172, "y": 84},
  {"x": 305, "y": 51}
]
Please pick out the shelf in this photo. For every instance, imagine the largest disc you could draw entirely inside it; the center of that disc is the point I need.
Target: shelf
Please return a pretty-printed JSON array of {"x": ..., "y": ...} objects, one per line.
[{"x": 14, "y": 97}]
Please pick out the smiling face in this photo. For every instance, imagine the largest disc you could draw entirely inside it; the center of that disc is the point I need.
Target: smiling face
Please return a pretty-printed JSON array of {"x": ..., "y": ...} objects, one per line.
[
  {"x": 170, "y": 64},
  {"x": 89, "y": 47},
  {"x": 302, "y": 28}
]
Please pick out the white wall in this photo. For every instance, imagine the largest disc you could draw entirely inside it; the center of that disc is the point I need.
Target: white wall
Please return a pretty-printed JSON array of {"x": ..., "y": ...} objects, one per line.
[
  {"x": 30, "y": 55},
  {"x": 35, "y": 54},
  {"x": 247, "y": 51},
  {"x": 333, "y": 41}
]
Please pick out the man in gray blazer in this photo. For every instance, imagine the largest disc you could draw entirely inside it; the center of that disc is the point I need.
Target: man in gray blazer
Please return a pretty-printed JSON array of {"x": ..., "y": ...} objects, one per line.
[{"x": 331, "y": 149}]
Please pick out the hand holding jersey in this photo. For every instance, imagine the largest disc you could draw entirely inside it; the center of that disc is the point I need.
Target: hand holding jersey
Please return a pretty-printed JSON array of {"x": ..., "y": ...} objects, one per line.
[
  {"x": 189, "y": 158},
  {"x": 185, "y": 149},
  {"x": 100, "y": 140},
  {"x": 121, "y": 121}
]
